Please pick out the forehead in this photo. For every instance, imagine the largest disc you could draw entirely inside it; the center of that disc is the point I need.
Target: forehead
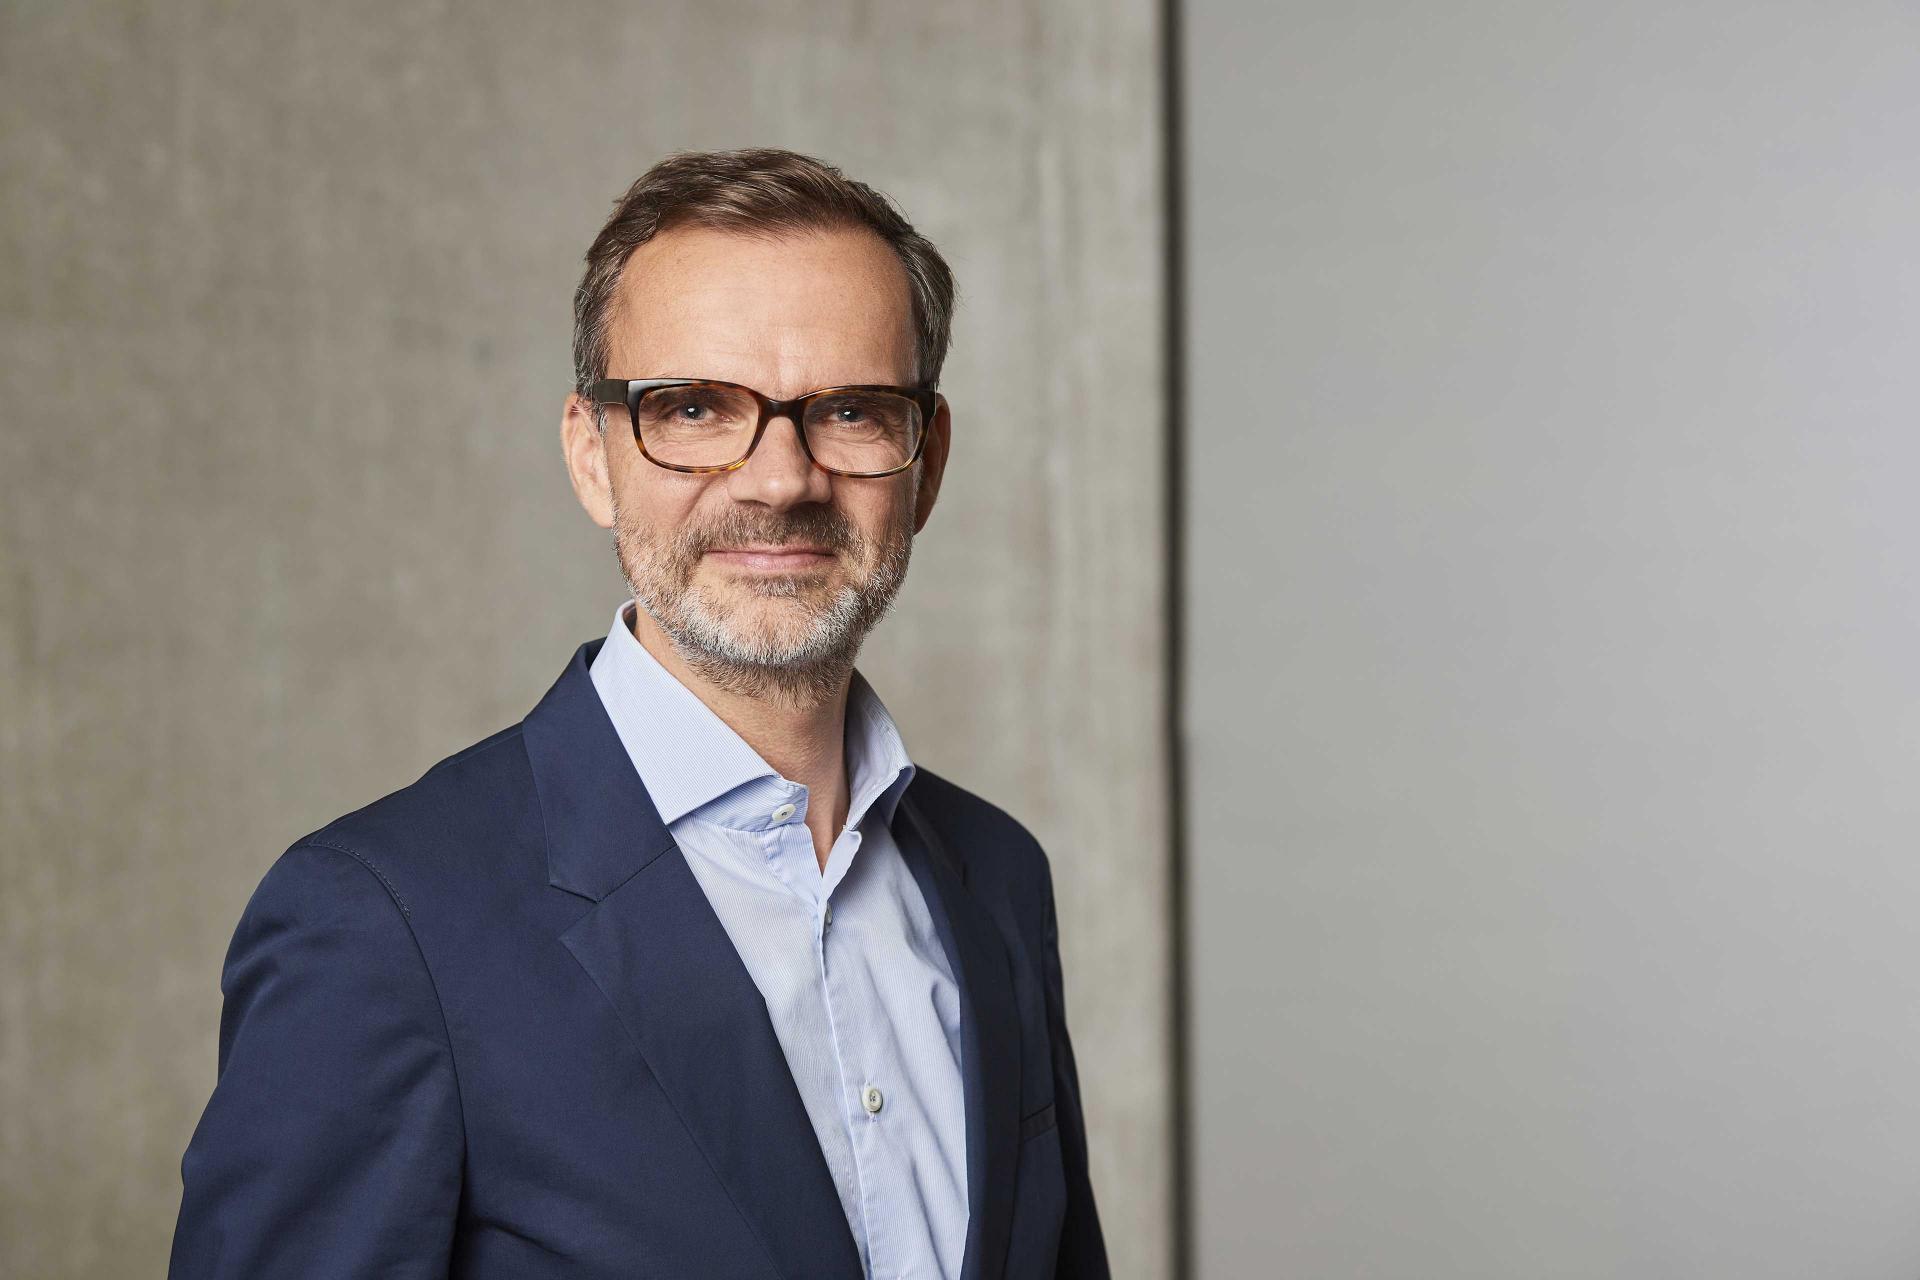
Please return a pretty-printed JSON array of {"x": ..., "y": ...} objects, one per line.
[{"x": 783, "y": 313}]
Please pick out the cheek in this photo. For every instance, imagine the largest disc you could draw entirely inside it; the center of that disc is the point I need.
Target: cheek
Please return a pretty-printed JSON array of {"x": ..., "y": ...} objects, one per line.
[
  {"x": 882, "y": 514},
  {"x": 662, "y": 503}
]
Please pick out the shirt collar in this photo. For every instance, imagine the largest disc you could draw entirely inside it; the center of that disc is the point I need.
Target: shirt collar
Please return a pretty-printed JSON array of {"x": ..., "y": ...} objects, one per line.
[{"x": 693, "y": 762}]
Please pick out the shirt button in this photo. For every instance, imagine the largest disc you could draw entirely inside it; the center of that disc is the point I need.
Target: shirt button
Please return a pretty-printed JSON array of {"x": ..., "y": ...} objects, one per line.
[
  {"x": 784, "y": 812},
  {"x": 871, "y": 1100}
]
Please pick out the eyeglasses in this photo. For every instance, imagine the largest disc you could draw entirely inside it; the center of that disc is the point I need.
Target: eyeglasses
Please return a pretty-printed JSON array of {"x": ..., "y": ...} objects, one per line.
[{"x": 697, "y": 424}]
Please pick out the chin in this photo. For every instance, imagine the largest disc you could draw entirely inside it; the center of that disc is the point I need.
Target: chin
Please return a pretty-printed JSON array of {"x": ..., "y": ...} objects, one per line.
[
  {"x": 783, "y": 621},
  {"x": 777, "y": 595}
]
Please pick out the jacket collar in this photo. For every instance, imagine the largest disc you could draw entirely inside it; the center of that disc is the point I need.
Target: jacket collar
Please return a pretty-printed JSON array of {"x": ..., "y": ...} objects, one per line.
[{"x": 601, "y": 825}]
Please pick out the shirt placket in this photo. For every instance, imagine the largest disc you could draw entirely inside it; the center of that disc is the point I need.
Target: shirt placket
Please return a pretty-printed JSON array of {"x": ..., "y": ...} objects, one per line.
[{"x": 791, "y": 854}]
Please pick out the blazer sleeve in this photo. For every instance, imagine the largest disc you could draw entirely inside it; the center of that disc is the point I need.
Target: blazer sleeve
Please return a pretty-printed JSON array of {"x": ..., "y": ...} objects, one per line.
[
  {"x": 1083, "y": 1250},
  {"x": 333, "y": 1142}
]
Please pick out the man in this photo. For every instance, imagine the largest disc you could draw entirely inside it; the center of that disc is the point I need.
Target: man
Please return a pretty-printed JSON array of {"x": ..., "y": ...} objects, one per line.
[{"x": 691, "y": 972}]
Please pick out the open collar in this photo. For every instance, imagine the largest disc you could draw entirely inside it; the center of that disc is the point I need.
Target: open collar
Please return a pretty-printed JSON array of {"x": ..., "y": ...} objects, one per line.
[{"x": 696, "y": 763}]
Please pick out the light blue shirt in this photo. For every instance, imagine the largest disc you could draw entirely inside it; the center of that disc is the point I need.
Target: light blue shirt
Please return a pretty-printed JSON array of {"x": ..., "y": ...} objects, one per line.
[{"x": 857, "y": 985}]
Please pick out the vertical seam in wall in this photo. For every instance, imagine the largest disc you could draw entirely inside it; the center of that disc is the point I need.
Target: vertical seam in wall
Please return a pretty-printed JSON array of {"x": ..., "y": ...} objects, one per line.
[{"x": 1173, "y": 179}]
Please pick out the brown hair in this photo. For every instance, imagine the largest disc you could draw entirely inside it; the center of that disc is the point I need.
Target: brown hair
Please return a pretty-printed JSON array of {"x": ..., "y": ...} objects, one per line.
[{"x": 766, "y": 191}]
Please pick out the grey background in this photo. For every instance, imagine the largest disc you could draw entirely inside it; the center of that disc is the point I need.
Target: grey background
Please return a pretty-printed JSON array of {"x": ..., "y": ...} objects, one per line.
[
  {"x": 1554, "y": 687},
  {"x": 283, "y": 520},
  {"x": 1548, "y": 617}
]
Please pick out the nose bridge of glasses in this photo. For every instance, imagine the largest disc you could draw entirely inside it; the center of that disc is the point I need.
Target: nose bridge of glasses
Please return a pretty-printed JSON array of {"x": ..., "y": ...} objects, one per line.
[{"x": 792, "y": 412}]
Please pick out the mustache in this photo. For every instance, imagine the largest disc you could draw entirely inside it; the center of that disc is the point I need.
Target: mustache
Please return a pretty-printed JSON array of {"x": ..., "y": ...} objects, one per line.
[{"x": 815, "y": 526}]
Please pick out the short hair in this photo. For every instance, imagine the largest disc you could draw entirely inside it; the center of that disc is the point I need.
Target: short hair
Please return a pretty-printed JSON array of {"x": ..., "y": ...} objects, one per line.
[{"x": 764, "y": 191}]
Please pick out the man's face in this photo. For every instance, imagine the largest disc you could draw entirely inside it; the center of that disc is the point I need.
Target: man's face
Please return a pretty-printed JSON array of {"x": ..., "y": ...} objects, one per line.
[{"x": 768, "y": 577}]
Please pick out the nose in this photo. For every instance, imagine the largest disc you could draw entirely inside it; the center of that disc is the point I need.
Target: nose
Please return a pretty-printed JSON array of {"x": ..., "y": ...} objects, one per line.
[{"x": 779, "y": 474}]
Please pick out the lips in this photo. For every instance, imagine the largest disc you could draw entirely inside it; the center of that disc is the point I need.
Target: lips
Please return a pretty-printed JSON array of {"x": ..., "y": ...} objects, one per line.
[
  {"x": 787, "y": 558},
  {"x": 787, "y": 549}
]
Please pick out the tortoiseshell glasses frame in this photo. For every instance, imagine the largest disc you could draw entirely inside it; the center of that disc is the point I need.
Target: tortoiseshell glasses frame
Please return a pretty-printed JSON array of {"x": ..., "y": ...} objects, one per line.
[{"x": 630, "y": 391}]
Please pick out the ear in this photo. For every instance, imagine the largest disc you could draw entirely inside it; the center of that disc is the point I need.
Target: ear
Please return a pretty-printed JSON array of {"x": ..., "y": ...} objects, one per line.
[
  {"x": 585, "y": 447},
  {"x": 933, "y": 462}
]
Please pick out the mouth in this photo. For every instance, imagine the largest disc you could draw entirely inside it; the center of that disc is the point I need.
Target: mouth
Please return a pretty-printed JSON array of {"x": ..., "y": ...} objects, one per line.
[{"x": 783, "y": 559}]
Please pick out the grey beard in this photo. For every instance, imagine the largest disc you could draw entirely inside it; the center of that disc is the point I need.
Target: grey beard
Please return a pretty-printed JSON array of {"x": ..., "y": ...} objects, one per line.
[{"x": 800, "y": 672}]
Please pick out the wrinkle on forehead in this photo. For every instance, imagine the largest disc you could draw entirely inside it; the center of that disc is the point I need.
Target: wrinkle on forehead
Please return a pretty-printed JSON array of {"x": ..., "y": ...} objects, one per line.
[{"x": 783, "y": 314}]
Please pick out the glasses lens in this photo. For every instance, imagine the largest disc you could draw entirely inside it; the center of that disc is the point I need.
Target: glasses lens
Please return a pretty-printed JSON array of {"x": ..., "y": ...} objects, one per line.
[
  {"x": 702, "y": 424},
  {"x": 863, "y": 430}
]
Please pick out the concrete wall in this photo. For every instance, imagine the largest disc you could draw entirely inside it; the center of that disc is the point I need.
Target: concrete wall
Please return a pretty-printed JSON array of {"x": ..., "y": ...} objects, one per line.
[
  {"x": 1552, "y": 650},
  {"x": 284, "y": 322}
]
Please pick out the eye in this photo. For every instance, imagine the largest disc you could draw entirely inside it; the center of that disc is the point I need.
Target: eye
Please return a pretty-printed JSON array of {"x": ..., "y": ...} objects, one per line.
[
  {"x": 688, "y": 410},
  {"x": 691, "y": 407}
]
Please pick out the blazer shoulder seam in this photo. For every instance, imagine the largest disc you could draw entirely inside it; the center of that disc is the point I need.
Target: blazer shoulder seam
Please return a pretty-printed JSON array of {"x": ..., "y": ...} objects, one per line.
[{"x": 368, "y": 863}]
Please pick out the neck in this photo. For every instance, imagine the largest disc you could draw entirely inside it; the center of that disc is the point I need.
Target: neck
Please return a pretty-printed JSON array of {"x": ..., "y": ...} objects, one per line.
[{"x": 798, "y": 727}]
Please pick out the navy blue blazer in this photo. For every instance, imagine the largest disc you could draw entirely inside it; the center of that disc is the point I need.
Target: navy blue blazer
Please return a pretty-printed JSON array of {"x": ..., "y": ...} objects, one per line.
[{"x": 489, "y": 1026}]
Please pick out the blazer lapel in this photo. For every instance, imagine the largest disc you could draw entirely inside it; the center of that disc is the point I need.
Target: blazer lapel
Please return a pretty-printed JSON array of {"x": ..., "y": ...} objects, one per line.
[
  {"x": 655, "y": 948},
  {"x": 990, "y": 1036}
]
